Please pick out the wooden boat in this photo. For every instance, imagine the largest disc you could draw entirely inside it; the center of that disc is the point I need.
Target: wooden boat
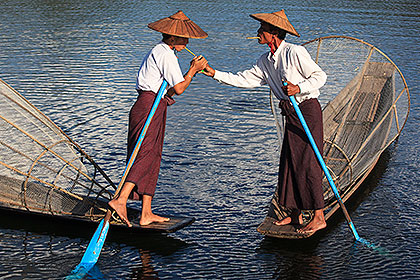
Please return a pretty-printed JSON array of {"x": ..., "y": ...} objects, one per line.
[
  {"x": 365, "y": 106},
  {"x": 45, "y": 173}
]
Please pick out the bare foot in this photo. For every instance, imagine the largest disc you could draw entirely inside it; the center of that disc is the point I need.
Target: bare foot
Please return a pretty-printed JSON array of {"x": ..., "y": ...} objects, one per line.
[
  {"x": 121, "y": 210},
  {"x": 315, "y": 225},
  {"x": 288, "y": 220},
  {"x": 152, "y": 218},
  {"x": 283, "y": 222}
]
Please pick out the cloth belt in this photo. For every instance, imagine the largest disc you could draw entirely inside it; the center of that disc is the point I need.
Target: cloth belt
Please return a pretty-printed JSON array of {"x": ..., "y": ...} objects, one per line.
[
  {"x": 169, "y": 100},
  {"x": 286, "y": 107}
]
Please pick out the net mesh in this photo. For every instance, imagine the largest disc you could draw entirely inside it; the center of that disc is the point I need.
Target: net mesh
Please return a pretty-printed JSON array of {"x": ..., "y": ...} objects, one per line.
[
  {"x": 365, "y": 106},
  {"x": 41, "y": 169}
]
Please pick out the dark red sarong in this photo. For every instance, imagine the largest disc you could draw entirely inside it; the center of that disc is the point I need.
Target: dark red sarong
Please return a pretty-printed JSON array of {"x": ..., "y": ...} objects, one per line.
[
  {"x": 144, "y": 172},
  {"x": 300, "y": 174}
]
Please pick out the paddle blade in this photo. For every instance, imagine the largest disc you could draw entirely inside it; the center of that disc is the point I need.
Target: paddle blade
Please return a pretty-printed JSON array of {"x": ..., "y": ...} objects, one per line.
[
  {"x": 94, "y": 248},
  {"x": 93, "y": 273}
]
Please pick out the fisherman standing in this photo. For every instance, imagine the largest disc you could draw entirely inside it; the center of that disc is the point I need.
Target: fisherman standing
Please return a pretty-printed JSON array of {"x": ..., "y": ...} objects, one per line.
[
  {"x": 158, "y": 65},
  {"x": 300, "y": 175}
]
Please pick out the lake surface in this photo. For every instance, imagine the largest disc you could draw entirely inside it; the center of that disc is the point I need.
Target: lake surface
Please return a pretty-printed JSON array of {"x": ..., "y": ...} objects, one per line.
[{"x": 77, "y": 61}]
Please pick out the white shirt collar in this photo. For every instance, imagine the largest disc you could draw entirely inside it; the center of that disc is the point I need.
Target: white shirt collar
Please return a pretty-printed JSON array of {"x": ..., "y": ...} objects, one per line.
[
  {"x": 165, "y": 46},
  {"x": 274, "y": 57},
  {"x": 168, "y": 48}
]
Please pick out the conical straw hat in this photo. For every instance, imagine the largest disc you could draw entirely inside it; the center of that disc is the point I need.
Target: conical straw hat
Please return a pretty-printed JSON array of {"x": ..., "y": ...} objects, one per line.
[
  {"x": 179, "y": 25},
  {"x": 278, "y": 19}
]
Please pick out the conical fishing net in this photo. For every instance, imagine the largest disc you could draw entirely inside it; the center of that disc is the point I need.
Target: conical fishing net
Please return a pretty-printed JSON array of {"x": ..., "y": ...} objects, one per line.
[
  {"x": 41, "y": 169},
  {"x": 365, "y": 106}
]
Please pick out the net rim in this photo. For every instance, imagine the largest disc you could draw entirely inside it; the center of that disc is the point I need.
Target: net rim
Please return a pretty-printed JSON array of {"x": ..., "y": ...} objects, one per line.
[{"x": 380, "y": 52}]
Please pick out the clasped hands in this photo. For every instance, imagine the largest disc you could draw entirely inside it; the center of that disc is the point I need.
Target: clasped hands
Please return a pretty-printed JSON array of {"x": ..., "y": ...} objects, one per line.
[
  {"x": 198, "y": 64},
  {"x": 289, "y": 89}
]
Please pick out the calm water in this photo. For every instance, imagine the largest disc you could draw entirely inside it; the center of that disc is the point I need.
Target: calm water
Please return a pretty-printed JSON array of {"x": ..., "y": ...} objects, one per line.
[{"x": 77, "y": 60}]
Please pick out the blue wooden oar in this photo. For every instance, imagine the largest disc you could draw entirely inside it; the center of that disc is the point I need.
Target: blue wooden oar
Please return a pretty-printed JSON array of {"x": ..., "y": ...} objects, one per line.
[
  {"x": 92, "y": 252},
  {"x": 94, "y": 248},
  {"x": 323, "y": 165}
]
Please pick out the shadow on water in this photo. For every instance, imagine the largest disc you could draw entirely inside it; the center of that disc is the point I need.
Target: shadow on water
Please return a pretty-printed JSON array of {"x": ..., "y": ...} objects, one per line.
[
  {"x": 159, "y": 243},
  {"x": 147, "y": 245}
]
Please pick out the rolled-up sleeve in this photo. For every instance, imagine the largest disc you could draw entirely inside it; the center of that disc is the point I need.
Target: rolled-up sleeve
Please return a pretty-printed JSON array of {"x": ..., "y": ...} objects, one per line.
[
  {"x": 315, "y": 78},
  {"x": 251, "y": 78}
]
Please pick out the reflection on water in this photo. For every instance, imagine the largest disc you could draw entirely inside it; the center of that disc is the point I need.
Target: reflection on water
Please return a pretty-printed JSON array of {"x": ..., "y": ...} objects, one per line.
[
  {"x": 145, "y": 270},
  {"x": 294, "y": 259},
  {"x": 141, "y": 269},
  {"x": 76, "y": 61}
]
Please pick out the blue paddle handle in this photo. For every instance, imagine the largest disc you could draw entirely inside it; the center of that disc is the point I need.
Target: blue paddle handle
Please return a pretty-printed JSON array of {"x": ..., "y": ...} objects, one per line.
[
  {"x": 323, "y": 165},
  {"x": 91, "y": 255}
]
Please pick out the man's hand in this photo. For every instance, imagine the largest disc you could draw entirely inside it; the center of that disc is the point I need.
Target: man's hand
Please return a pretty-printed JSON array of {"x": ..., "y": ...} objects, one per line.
[
  {"x": 198, "y": 63},
  {"x": 209, "y": 71},
  {"x": 290, "y": 89}
]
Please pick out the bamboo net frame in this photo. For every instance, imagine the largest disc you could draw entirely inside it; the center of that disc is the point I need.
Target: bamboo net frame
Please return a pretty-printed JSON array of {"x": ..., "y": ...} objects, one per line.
[{"x": 42, "y": 169}]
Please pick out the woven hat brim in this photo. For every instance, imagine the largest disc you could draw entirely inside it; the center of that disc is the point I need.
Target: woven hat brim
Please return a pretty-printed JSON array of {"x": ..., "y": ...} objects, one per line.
[
  {"x": 180, "y": 28},
  {"x": 276, "y": 21}
]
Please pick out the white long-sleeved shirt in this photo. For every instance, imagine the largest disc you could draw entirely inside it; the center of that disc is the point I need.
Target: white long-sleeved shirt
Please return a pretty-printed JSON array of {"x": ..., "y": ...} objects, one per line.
[
  {"x": 290, "y": 62},
  {"x": 160, "y": 63}
]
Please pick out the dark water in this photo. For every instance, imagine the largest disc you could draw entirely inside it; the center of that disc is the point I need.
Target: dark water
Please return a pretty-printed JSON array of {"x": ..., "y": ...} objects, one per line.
[{"x": 77, "y": 60}]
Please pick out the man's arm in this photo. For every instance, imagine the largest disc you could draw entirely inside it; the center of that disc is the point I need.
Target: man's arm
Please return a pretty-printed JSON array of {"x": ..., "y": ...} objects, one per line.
[
  {"x": 315, "y": 78},
  {"x": 246, "y": 79}
]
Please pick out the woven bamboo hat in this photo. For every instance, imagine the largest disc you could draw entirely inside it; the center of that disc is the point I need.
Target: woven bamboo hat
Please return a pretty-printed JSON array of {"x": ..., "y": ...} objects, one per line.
[
  {"x": 277, "y": 19},
  {"x": 179, "y": 25}
]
